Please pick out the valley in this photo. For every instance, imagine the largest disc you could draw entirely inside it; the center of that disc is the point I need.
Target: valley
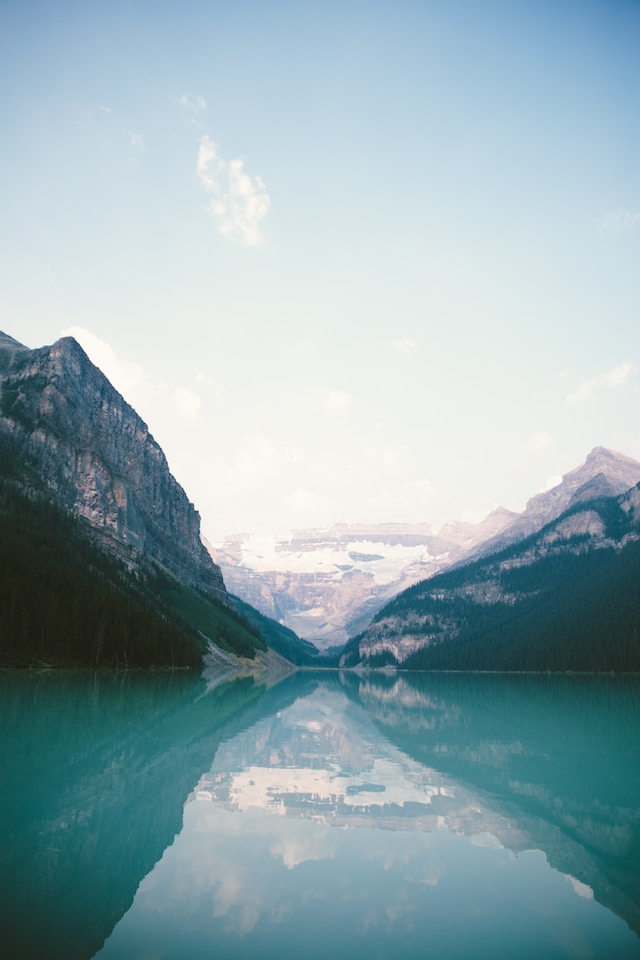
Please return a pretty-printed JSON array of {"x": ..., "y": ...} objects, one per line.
[
  {"x": 91, "y": 514},
  {"x": 328, "y": 584}
]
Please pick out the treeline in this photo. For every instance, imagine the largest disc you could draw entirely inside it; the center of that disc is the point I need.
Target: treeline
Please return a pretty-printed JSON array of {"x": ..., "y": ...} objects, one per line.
[
  {"x": 284, "y": 641},
  {"x": 63, "y": 600},
  {"x": 280, "y": 638}
]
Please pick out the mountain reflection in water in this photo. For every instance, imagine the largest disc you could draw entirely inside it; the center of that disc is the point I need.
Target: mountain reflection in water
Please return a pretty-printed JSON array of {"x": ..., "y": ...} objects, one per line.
[{"x": 376, "y": 816}]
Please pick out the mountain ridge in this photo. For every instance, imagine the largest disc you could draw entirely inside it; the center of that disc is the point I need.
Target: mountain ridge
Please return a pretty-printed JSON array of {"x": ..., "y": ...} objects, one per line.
[
  {"x": 605, "y": 472},
  {"x": 324, "y": 583},
  {"x": 98, "y": 456},
  {"x": 93, "y": 521},
  {"x": 563, "y": 598},
  {"x": 327, "y": 584}
]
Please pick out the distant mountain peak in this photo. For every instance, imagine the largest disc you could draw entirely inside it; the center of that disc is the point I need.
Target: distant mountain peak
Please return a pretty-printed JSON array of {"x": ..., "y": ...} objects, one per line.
[
  {"x": 605, "y": 456},
  {"x": 604, "y": 473},
  {"x": 620, "y": 471}
]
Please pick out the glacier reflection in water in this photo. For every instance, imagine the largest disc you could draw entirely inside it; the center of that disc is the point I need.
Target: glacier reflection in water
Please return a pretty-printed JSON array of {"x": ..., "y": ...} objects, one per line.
[{"x": 402, "y": 817}]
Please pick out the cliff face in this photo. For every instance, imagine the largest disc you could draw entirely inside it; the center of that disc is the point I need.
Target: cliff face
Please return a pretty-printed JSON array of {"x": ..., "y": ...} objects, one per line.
[{"x": 97, "y": 456}]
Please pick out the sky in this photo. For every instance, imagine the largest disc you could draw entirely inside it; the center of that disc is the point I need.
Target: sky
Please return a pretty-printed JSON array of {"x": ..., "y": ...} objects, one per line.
[{"x": 350, "y": 261}]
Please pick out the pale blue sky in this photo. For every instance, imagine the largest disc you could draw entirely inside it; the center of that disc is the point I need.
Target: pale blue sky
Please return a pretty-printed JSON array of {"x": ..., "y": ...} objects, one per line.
[{"x": 350, "y": 261}]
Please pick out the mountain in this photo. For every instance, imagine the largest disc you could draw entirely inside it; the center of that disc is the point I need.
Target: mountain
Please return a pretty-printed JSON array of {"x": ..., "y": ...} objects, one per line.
[
  {"x": 96, "y": 455},
  {"x": 95, "y": 529},
  {"x": 563, "y": 598},
  {"x": 604, "y": 473},
  {"x": 327, "y": 584},
  {"x": 282, "y": 640}
]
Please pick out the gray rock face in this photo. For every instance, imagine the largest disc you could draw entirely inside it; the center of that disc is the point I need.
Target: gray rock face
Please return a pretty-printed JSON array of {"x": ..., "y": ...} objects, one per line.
[
  {"x": 605, "y": 473},
  {"x": 97, "y": 456}
]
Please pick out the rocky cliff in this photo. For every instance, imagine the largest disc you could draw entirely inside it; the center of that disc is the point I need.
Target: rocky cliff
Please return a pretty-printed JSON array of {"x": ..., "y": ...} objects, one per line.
[{"x": 96, "y": 455}]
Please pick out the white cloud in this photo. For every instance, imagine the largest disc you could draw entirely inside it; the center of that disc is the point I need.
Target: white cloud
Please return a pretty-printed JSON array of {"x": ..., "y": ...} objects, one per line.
[
  {"x": 608, "y": 380},
  {"x": 539, "y": 442},
  {"x": 619, "y": 221},
  {"x": 409, "y": 501},
  {"x": 580, "y": 888},
  {"x": 552, "y": 482},
  {"x": 238, "y": 202},
  {"x": 404, "y": 346},
  {"x": 192, "y": 107},
  {"x": 310, "y": 509},
  {"x": 395, "y": 460},
  {"x": 135, "y": 139},
  {"x": 336, "y": 400},
  {"x": 300, "y": 349},
  {"x": 149, "y": 397},
  {"x": 255, "y": 486},
  {"x": 187, "y": 403},
  {"x": 395, "y": 504},
  {"x": 477, "y": 514},
  {"x": 258, "y": 460}
]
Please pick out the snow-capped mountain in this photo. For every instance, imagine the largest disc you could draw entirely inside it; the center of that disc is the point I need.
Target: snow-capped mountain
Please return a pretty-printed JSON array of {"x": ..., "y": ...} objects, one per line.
[
  {"x": 563, "y": 598},
  {"x": 327, "y": 584}
]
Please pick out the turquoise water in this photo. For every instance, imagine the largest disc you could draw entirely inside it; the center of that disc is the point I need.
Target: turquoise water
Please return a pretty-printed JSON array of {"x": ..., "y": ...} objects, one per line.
[{"x": 445, "y": 816}]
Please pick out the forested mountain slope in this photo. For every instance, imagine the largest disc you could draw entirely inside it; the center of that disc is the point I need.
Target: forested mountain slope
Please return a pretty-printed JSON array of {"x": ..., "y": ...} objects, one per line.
[
  {"x": 66, "y": 600},
  {"x": 327, "y": 584},
  {"x": 565, "y": 598},
  {"x": 101, "y": 560}
]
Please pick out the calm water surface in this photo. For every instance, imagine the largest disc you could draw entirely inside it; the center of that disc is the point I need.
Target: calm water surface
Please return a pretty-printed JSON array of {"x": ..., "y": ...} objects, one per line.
[{"x": 447, "y": 816}]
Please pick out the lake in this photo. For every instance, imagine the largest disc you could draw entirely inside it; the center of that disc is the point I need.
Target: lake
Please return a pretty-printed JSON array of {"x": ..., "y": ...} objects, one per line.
[{"x": 151, "y": 815}]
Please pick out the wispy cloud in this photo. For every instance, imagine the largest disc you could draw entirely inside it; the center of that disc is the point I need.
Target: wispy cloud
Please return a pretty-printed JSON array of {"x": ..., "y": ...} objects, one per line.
[
  {"x": 192, "y": 108},
  {"x": 187, "y": 403},
  {"x": 135, "y": 139},
  {"x": 619, "y": 221},
  {"x": 404, "y": 346},
  {"x": 336, "y": 400},
  {"x": 238, "y": 202},
  {"x": 607, "y": 380}
]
